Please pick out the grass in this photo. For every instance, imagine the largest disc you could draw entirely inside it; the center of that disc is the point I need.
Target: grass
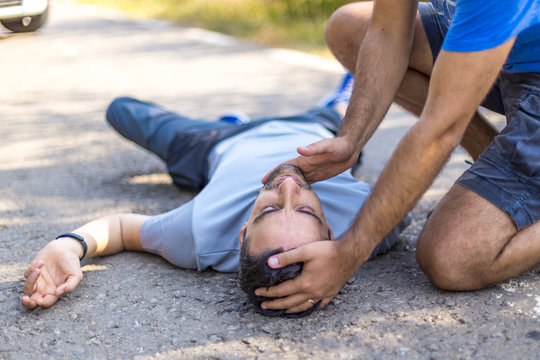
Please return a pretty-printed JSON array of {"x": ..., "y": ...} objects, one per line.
[{"x": 296, "y": 24}]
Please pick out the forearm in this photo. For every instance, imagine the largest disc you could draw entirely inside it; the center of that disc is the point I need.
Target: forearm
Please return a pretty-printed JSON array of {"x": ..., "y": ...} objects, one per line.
[
  {"x": 111, "y": 234},
  {"x": 382, "y": 62},
  {"x": 459, "y": 83},
  {"x": 407, "y": 175}
]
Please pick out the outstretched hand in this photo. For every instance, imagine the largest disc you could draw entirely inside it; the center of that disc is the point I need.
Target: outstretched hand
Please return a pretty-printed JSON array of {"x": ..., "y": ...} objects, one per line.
[
  {"x": 55, "y": 270},
  {"x": 327, "y": 267},
  {"x": 324, "y": 159}
]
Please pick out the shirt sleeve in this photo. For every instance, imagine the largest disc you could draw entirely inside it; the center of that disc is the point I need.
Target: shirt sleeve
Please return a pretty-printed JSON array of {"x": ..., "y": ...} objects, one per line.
[
  {"x": 481, "y": 25},
  {"x": 170, "y": 235}
]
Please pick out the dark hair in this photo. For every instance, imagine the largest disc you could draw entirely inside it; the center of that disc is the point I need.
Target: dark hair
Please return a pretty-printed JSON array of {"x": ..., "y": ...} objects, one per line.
[{"x": 255, "y": 273}]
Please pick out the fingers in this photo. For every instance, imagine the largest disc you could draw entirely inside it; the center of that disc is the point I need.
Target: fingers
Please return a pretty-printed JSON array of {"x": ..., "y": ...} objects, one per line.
[
  {"x": 30, "y": 284},
  {"x": 286, "y": 288},
  {"x": 33, "y": 267},
  {"x": 32, "y": 302},
  {"x": 309, "y": 304},
  {"x": 325, "y": 302},
  {"x": 289, "y": 302},
  {"x": 302, "y": 307},
  {"x": 309, "y": 150},
  {"x": 70, "y": 284},
  {"x": 28, "y": 271},
  {"x": 305, "y": 150},
  {"x": 292, "y": 162},
  {"x": 300, "y": 254},
  {"x": 37, "y": 299},
  {"x": 47, "y": 301},
  {"x": 318, "y": 147},
  {"x": 28, "y": 303},
  {"x": 300, "y": 303},
  {"x": 265, "y": 177},
  {"x": 40, "y": 290},
  {"x": 31, "y": 274}
]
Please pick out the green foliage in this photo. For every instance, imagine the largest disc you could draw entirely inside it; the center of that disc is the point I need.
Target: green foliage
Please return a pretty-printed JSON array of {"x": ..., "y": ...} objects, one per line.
[
  {"x": 302, "y": 9},
  {"x": 289, "y": 23}
]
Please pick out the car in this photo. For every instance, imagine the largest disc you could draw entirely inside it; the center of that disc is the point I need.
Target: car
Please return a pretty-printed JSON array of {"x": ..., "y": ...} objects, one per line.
[{"x": 23, "y": 15}]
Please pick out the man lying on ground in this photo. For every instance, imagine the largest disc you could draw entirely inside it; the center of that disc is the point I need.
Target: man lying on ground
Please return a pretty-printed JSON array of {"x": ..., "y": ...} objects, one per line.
[{"x": 225, "y": 163}]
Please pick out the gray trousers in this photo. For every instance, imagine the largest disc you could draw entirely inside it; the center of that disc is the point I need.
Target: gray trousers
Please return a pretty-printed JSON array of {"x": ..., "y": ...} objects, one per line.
[{"x": 184, "y": 143}]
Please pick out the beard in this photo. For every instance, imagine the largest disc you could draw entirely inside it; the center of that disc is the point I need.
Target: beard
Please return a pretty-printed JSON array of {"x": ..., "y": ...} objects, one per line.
[{"x": 284, "y": 170}]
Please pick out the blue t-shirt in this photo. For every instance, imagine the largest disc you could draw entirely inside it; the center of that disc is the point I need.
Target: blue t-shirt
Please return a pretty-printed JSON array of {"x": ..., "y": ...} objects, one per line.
[{"x": 476, "y": 25}]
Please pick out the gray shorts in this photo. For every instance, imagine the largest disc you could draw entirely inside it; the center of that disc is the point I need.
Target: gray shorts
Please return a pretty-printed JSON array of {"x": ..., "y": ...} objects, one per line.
[{"x": 508, "y": 173}]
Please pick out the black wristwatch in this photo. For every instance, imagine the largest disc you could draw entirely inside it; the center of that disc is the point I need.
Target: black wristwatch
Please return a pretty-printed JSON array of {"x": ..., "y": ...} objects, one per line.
[{"x": 78, "y": 238}]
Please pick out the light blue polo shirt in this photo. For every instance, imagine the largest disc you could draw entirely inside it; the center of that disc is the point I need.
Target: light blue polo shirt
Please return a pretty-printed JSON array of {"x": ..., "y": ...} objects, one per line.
[{"x": 203, "y": 233}]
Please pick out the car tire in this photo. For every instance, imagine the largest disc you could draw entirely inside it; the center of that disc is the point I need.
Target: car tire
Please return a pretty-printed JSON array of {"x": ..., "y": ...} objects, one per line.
[{"x": 27, "y": 23}]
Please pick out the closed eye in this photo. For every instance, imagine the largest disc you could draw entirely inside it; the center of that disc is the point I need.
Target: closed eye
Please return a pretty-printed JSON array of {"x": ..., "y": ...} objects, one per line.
[
  {"x": 268, "y": 210},
  {"x": 309, "y": 211},
  {"x": 265, "y": 211},
  {"x": 305, "y": 209}
]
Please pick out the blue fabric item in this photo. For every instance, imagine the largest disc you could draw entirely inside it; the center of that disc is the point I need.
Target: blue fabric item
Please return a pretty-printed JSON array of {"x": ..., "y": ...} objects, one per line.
[
  {"x": 183, "y": 143},
  {"x": 341, "y": 95},
  {"x": 170, "y": 235},
  {"x": 476, "y": 25},
  {"x": 508, "y": 173},
  {"x": 219, "y": 210},
  {"x": 434, "y": 27},
  {"x": 436, "y": 30}
]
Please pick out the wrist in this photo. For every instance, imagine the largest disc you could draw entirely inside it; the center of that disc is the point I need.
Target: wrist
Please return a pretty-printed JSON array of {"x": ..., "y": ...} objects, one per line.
[
  {"x": 72, "y": 245},
  {"x": 349, "y": 252},
  {"x": 352, "y": 135},
  {"x": 354, "y": 249},
  {"x": 351, "y": 148}
]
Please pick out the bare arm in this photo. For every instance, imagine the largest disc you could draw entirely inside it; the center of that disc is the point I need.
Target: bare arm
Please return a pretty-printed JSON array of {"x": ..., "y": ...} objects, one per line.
[
  {"x": 56, "y": 268},
  {"x": 113, "y": 234},
  {"x": 458, "y": 84},
  {"x": 382, "y": 62},
  {"x": 383, "y": 59}
]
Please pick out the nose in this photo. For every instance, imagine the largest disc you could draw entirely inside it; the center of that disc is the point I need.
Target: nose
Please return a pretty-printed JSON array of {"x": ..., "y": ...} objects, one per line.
[{"x": 288, "y": 189}]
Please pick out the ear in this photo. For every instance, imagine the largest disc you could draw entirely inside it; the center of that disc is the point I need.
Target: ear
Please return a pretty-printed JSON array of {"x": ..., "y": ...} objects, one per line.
[
  {"x": 242, "y": 235},
  {"x": 330, "y": 233}
]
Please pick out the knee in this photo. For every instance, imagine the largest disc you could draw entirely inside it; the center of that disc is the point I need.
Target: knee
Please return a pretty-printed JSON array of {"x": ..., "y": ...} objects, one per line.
[
  {"x": 449, "y": 261},
  {"x": 345, "y": 31},
  {"x": 117, "y": 104},
  {"x": 333, "y": 32},
  {"x": 437, "y": 265},
  {"x": 115, "y": 108}
]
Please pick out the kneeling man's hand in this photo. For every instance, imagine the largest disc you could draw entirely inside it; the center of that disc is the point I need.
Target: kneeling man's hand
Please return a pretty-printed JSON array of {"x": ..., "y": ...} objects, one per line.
[
  {"x": 327, "y": 267},
  {"x": 324, "y": 159},
  {"x": 54, "y": 271}
]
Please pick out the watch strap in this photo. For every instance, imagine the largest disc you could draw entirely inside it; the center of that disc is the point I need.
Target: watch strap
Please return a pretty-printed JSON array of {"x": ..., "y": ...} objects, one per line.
[{"x": 78, "y": 238}]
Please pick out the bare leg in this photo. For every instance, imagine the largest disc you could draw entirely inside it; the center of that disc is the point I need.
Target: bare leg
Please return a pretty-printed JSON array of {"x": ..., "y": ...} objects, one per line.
[
  {"x": 469, "y": 243},
  {"x": 344, "y": 36}
]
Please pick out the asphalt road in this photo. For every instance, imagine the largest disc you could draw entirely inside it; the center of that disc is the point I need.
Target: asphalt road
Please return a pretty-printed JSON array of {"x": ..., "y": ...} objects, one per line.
[{"x": 60, "y": 166}]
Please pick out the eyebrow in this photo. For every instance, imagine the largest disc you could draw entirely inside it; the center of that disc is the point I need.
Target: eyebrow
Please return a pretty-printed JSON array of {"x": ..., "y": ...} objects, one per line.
[{"x": 261, "y": 215}]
